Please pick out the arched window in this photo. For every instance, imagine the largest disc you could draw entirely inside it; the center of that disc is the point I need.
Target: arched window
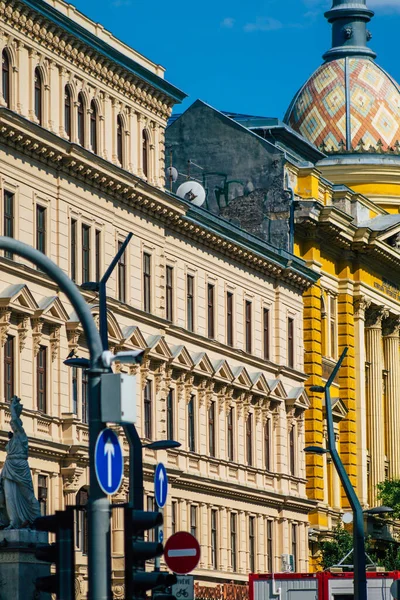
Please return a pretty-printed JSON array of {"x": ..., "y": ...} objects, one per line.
[
  {"x": 93, "y": 126},
  {"x": 5, "y": 70},
  {"x": 81, "y": 120},
  {"x": 120, "y": 145},
  {"x": 38, "y": 96},
  {"x": 67, "y": 111},
  {"x": 145, "y": 153}
]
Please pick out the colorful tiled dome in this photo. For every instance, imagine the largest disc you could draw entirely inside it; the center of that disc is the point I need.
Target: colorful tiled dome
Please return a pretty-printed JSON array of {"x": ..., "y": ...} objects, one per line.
[{"x": 357, "y": 111}]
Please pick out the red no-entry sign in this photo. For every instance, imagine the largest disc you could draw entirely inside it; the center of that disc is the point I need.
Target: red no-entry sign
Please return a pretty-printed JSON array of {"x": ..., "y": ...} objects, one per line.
[{"x": 182, "y": 552}]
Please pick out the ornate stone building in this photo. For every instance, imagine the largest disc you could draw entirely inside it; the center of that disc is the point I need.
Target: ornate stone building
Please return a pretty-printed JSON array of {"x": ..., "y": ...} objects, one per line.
[{"x": 218, "y": 311}]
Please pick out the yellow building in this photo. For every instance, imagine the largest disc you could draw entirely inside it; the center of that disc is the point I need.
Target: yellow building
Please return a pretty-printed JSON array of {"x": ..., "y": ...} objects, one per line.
[
  {"x": 347, "y": 229},
  {"x": 218, "y": 312}
]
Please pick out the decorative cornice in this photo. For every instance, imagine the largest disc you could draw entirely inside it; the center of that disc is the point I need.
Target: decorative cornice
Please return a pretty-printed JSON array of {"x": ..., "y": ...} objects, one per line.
[
  {"x": 62, "y": 43},
  {"x": 132, "y": 191}
]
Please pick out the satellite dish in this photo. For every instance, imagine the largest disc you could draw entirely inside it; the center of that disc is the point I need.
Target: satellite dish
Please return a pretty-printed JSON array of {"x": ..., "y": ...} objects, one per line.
[
  {"x": 347, "y": 518},
  {"x": 192, "y": 191},
  {"x": 171, "y": 173}
]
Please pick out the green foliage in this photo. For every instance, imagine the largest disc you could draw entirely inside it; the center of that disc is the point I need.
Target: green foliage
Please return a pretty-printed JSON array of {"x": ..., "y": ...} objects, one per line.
[
  {"x": 333, "y": 550},
  {"x": 389, "y": 494}
]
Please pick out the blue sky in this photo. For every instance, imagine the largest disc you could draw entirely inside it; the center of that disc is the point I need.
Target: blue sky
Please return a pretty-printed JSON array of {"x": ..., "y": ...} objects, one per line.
[{"x": 248, "y": 57}]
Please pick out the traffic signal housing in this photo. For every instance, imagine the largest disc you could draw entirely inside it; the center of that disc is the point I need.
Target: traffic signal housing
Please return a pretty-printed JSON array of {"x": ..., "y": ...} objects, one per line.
[
  {"x": 138, "y": 551},
  {"x": 62, "y": 553}
]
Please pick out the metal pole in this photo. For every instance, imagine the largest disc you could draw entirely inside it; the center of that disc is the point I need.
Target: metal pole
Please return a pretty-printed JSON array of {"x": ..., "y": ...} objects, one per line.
[
  {"x": 360, "y": 577},
  {"x": 135, "y": 467},
  {"x": 99, "y": 559}
]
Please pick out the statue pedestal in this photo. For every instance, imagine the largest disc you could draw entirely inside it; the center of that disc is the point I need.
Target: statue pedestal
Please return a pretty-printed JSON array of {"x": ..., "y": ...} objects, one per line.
[{"x": 18, "y": 566}]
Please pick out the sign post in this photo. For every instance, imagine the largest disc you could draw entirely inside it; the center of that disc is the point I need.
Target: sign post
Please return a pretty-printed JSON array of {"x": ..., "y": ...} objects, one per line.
[
  {"x": 160, "y": 495},
  {"x": 182, "y": 553}
]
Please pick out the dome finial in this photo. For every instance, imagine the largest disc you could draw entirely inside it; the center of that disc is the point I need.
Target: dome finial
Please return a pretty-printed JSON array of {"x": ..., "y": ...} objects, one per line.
[{"x": 350, "y": 35}]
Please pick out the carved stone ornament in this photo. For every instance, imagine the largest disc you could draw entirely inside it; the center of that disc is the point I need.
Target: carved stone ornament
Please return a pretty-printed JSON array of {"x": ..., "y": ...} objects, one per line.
[
  {"x": 209, "y": 393},
  {"x": 37, "y": 326},
  {"x": 369, "y": 35},
  {"x": 347, "y": 32},
  {"x": 375, "y": 315},
  {"x": 23, "y": 328},
  {"x": 55, "y": 342},
  {"x": 189, "y": 380},
  {"x": 71, "y": 477},
  {"x": 159, "y": 379},
  {"x": 5, "y": 315},
  {"x": 144, "y": 371},
  {"x": 361, "y": 304},
  {"x": 391, "y": 326},
  {"x": 202, "y": 391}
]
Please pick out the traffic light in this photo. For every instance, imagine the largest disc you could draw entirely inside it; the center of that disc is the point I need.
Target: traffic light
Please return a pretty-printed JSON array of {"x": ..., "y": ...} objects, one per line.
[
  {"x": 62, "y": 553},
  {"x": 137, "y": 551}
]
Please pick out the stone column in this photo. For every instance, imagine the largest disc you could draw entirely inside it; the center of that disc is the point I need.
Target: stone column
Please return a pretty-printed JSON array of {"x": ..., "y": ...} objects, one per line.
[
  {"x": 375, "y": 421},
  {"x": 390, "y": 330},
  {"x": 361, "y": 304}
]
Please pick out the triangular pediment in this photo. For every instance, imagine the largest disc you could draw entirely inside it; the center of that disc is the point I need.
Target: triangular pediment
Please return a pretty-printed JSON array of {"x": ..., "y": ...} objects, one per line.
[
  {"x": 297, "y": 398},
  {"x": 158, "y": 348},
  {"x": 18, "y": 298},
  {"x": 277, "y": 388},
  {"x": 133, "y": 335},
  {"x": 222, "y": 371},
  {"x": 52, "y": 310},
  {"x": 260, "y": 383},
  {"x": 242, "y": 378},
  {"x": 181, "y": 357},
  {"x": 202, "y": 364},
  {"x": 339, "y": 410}
]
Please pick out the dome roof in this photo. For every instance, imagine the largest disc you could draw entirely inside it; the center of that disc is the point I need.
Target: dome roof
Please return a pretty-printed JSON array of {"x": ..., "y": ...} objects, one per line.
[{"x": 344, "y": 108}]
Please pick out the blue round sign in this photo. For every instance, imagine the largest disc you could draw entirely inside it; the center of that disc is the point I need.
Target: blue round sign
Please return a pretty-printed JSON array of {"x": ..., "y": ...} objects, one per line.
[
  {"x": 109, "y": 462},
  {"x": 161, "y": 485}
]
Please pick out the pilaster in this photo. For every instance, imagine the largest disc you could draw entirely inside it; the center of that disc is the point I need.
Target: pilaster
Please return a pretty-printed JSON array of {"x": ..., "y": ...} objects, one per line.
[{"x": 390, "y": 331}]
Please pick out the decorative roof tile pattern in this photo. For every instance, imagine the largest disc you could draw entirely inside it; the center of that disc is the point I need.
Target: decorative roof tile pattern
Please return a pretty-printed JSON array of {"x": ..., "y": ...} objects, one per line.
[{"x": 319, "y": 112}]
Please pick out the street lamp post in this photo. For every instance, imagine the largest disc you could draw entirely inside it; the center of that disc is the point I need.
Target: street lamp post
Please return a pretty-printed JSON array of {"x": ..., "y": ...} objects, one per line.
[
  {"x": 99, "y": 559},
  {"x": 360, "y": 577}
]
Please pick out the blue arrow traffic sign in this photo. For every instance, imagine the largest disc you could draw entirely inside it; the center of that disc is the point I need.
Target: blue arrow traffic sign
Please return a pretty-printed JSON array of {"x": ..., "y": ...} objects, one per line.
[
  {"x": 161, "y": 485},
  {"x": 108, "y": 460}
]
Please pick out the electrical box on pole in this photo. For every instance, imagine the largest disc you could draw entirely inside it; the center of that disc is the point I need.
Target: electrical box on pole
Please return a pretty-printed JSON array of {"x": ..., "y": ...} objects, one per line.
[
  {"x": 62, "y": 553},
  {"x": 118, "y": 398},
  {"x": 138, "y": 551}
]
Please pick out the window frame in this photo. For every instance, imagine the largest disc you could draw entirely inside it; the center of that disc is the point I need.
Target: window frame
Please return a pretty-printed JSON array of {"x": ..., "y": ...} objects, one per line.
[
  {"x": 6, "y": 77},
  {"x": 267, "y": 444},
  {"x": 68, "y": 112},
  {"x": 292, "y": 451},
  {"x": 80, "y": 120},
  {"x": 74, "y": 249},
  {"x": 145, "y": 153},
  {"x": 8, "y": 218},
  {"x": 270, "y": 545},
  {"x": 194, "y": 509},
  {"x": 170, "y": 414},
  {"x": 148, "y": 410},
  {"x": 249, "y": 439},
  {"x": 211, "y": 311},
  {"x": 147, "y": 280},
  {"x": 94, "y": 141},
  {"x": 169, "y": 293},
  {"x": 266, "y": 334},
  {"x": 121, "y": 275},
  {"x": 211, "y": 430},
  {"x": 190, "y": 299},
  {"x": 41, "y": 229},
  {"x": 41, "y": 374},
  {"x": 290, "y": 341},
  {"x": 9, "y": 368},
  {"x": 230, "y": 436},
  {"x": 229, "y": 318},
  {"x": 86, "y": 252},
  {"x": 191, "y": 422},
  {"x": 214, "y": 538},
  {"x": 233, "y": 521},
  {"x": 38, "y": 95},
  {"x": 252, "y": 543},
  {"x": 120, "y": 140},
  {"x": 248, "y": 312},
  {"x": 85, "y": 397},
  {"x": 43, "y": 492}
]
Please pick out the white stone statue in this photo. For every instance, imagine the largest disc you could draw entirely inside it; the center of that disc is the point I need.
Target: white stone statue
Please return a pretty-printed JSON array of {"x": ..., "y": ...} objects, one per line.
[{"x": 18, "y": 505}]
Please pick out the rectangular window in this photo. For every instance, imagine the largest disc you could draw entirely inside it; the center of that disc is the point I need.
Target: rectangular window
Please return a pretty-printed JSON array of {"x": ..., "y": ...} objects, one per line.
[
  {"x": 292, "y": 452},
  {"x": 229, "y": 318},
  {"x": 233, "y": 541},
  {"x": 294, "y": 545},
  {"x": 9, "y": 369},
  {"x": 193, "y": 520},
  {"x": 211, "y": 429},
  {"x": 332, "y": 319},
  {"x": 249, "y": 439},
  {"x": 290, "y": 341},
  {"x": 170, "y": 414},
  {"x": 151, "y": 537},
  {"x": 230, "y": 435},
  {"x": 8, "y": 219},
  {"x": 85, "y": 253},
  {"x": 75, "y": 390},
  {"x": 248, "y": 310},
  {"x": 270, "y": 550},
  {"x": 169, "y": 294},
  {"x": 85, "y": 397},
  {"x": 210, "y": 311},
  {"x": 147, "y": 282},
  {"x": 97, "y": 254},
  {"x": 148, "y": 425},
  {"x": 42, "y": 494},
  {"x": 267, "y": 444},
  {"x": 121, "y": 276},
  {"x": 252, "y": 544},
  {"x": 214, "y": 539},
  {"x": 190, "y": 302},
  {"x": 191, "y": 425},
  {"x": 81, "y": 523},
  {"x": 266, "y": 334},
  {"x": 41, "y": 379},
  {"x": 173, "y": 517},
  {"x": 74, "y": 227},
  {"x": 41, "y": 228}
]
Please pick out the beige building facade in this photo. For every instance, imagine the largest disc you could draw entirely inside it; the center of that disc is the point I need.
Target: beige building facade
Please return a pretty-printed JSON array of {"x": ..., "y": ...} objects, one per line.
[{"x": 219, "y": 313}]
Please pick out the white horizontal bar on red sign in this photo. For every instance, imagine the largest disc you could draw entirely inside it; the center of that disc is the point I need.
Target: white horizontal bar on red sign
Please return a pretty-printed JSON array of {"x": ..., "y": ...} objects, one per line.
[{"x": 184, "y": 552}]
